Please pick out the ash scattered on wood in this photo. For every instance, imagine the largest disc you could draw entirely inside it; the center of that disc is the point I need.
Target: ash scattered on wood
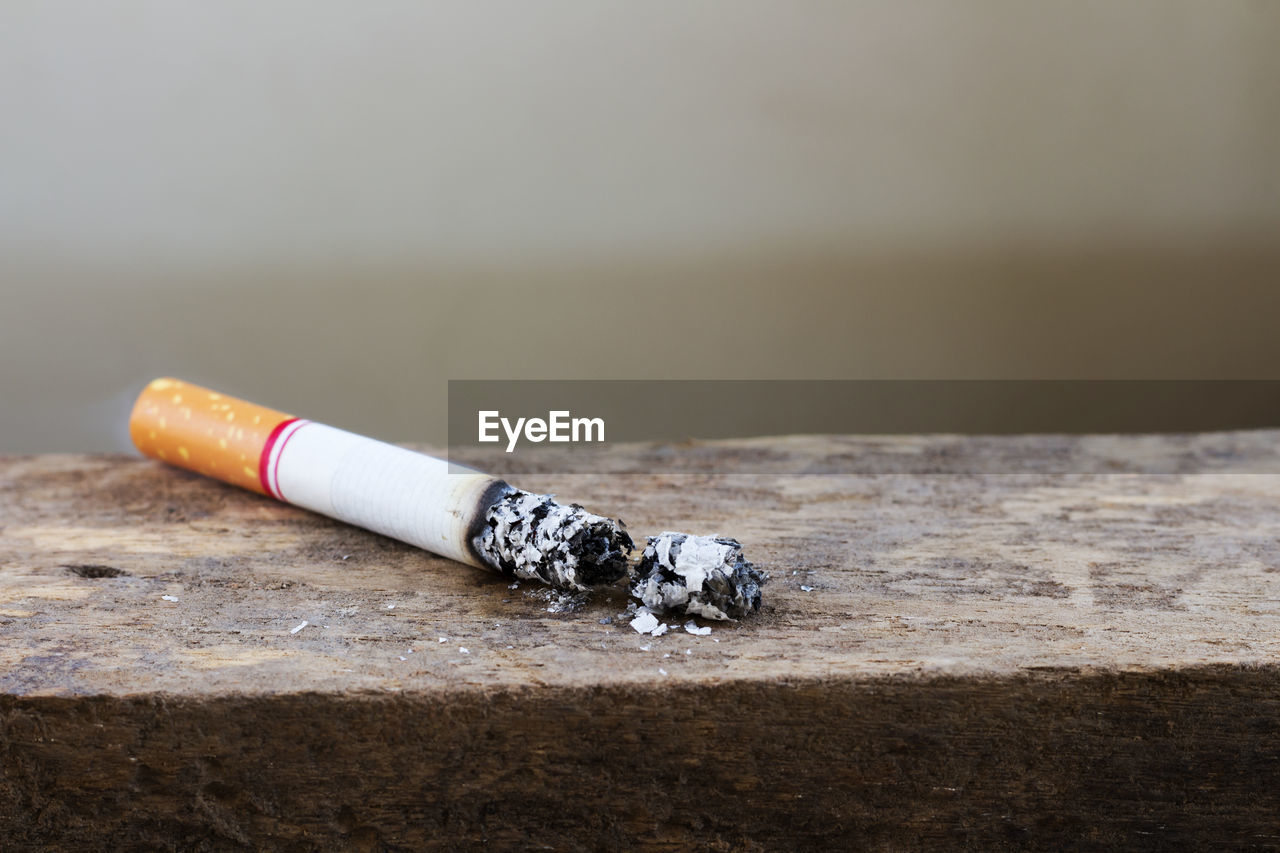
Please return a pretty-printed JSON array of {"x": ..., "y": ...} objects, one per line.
[
  {"x": 560, "y": 601},
  {"x": 532, "y": 537},
  {"x": 697, "y": 575},
  {"x": 645, "y": 622}
]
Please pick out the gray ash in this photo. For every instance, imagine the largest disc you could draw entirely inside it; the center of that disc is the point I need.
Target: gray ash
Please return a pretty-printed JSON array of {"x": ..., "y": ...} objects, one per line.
[
  {"x": 532, "y": 537},
  {"x": 697, "y": 575}
]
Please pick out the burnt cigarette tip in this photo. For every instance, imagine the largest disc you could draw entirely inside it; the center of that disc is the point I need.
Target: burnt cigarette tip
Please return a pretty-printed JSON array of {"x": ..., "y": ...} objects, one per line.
[
  {"x": 697, "y": 575},
  {"x": 532, "y": 537}
]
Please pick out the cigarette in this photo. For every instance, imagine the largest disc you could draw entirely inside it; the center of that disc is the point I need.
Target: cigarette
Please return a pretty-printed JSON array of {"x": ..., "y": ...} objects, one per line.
[{"x": 468, "y": 516}]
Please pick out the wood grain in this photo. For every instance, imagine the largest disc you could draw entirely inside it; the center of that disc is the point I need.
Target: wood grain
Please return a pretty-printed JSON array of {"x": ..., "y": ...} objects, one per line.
[{"x": 1082, "y": 654}]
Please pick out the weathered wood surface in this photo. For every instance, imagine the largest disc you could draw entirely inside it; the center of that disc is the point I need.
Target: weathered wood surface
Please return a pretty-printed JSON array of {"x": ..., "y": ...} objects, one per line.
[{"x": 989, "y": 659}]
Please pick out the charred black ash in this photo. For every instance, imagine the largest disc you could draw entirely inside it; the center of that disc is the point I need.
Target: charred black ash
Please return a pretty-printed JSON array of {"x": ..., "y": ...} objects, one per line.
[
  {"x": 532, "y": 537},
  {"x": 697, "y": 575}
]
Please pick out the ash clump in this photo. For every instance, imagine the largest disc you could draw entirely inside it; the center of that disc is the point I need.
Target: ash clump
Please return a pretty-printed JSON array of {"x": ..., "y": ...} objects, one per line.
[
  {"x": 532, "y": 537},
  {"x": 698, "y": 575}
]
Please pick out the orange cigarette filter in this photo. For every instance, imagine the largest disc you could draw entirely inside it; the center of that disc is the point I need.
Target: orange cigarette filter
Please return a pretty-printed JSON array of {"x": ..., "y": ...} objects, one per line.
[{"x": 206, "y": 432}]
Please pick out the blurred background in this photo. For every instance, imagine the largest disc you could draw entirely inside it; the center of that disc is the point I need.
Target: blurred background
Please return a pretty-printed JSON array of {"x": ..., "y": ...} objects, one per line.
[{"x": 333, "y": 208}]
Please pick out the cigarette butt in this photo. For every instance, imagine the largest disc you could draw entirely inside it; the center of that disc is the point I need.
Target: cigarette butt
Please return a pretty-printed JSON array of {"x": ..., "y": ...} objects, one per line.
[{"x": 470, "y": 517}]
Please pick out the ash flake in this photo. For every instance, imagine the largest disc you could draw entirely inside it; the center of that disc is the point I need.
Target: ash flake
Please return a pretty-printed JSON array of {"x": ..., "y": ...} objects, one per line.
[{"x": 645, "y": 622}]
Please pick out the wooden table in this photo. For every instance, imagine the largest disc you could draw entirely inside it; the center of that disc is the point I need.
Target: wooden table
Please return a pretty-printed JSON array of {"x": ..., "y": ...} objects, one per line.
[{"x": 1071, "y": 652}]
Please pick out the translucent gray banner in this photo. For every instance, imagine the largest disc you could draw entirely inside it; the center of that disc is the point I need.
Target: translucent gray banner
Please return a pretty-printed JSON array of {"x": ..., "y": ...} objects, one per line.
[{"x": 868, "y": 426}]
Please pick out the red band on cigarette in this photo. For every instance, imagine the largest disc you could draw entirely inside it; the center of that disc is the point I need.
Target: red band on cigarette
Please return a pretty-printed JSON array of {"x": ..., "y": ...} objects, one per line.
[
  {"x": 265, "y": 458},
  {"x": 284, "y": 442}
]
